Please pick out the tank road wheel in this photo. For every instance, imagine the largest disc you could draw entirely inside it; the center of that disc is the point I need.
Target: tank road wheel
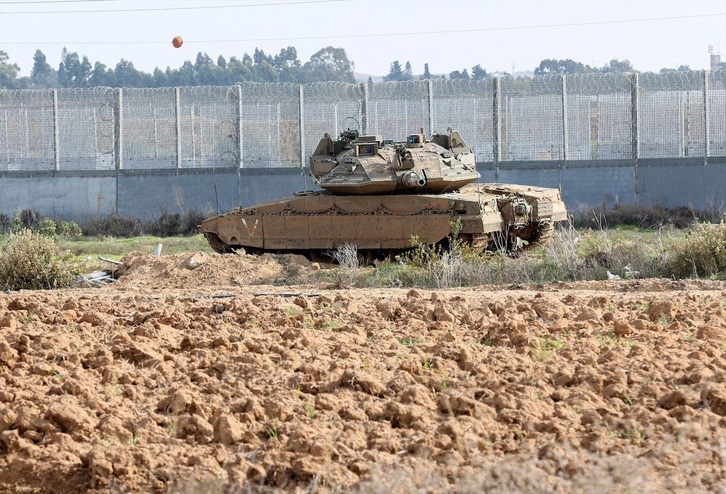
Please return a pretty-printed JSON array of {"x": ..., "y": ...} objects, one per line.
[
  {"x": 478, "y": 244},
  {"x": 542, "y": 235},
  {"x": 216, "y": 244}
]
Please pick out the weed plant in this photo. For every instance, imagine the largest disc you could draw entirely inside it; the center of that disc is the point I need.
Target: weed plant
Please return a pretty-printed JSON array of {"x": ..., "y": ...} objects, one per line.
[
  {"x": 700, "y": 253},
  {"x": 31, "y": 261},
  {"x": 346, "y": 256}
]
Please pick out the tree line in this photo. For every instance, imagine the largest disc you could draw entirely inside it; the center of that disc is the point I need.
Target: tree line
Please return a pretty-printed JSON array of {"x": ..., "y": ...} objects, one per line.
[{"x": 327, "y": 64}]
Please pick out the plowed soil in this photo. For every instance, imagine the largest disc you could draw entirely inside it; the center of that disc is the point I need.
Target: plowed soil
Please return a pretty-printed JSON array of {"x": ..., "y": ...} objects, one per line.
[{"x": 208, "y": 373}]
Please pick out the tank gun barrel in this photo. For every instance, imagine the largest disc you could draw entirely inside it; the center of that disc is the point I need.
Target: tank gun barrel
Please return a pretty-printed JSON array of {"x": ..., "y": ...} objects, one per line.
[{"x": 412, "y": 180}]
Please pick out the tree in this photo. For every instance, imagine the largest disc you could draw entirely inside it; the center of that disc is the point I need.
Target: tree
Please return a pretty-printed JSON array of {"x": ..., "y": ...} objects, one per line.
[
  {"x": 464, "y": 74},
  {"x": 161, "y": 78},
  {"x": 101, "y": 76},
  {"x": 616, "y": 66},
  {"x": 203, "y": 60},
  {"x": 204, "y": 70},
  {"x": 126, "y": 75},
  {"x": 42, "y": 75},
  {"x": 266, "y": 72},
  {"x": 426, "y": 73},
  {"x": 221, "y": 62},
  {"x": 238, "y": 71},
  {"x": 407, "y": 72},
  {"x": 287, "y": 65},
  {"x": 9, "y": 74},
  {"x": 568, "y": 66},
  {"x": 73, "y": 71},
  {"x": 395, "y": 73},
  {"x": 184, "y": 76},
  {"x": 260, "y": 57},
  {"x": 286, "y": 59},
  {"x": 329, "y": 64},
  {"x": 477, "y": 73}
]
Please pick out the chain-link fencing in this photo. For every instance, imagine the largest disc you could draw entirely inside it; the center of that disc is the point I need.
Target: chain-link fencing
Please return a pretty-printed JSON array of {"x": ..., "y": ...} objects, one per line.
[{"x": 271, "y": 125}]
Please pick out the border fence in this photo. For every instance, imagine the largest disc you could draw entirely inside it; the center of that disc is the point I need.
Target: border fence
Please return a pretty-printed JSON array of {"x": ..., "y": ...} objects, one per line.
[{"x": 552, "y": 130}]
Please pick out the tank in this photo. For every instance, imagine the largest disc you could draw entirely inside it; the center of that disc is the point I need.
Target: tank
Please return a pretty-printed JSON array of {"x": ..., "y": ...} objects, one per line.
[{"x": 378, "y": 194}]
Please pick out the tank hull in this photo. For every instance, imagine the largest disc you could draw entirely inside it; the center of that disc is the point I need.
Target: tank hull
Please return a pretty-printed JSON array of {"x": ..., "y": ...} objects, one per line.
[{"x": 314, "y": 223}]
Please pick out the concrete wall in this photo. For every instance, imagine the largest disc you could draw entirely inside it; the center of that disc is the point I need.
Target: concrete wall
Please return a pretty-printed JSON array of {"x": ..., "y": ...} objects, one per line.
[{"x": 79, "y": 196}]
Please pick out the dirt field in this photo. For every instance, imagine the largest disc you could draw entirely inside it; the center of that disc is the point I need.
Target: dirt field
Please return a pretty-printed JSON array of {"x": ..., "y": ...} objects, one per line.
[{"x": 220, "y": 379}]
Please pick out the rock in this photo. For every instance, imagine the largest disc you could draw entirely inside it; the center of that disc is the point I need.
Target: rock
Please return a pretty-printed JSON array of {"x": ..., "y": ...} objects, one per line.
[
  {"x": 672, "y": 400},
  {"x": 192, "y": 262},
  {"x": 8, "y": 321},
  {"x": 301, "y": 302},
  {"x": 227, "y": 429},
  {"x": 441, "y": 313},
  {"x": 70, "y": 416},
  {"x": 179, "y": 401},
  {"x": 711, "y": 333},
  {"x": 8, "y": 355},
  {"x": 94, "y": 318},
  {"x": 715, "y": 398}
]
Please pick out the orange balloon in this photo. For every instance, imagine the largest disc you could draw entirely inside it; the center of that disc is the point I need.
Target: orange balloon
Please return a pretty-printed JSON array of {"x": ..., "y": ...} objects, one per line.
[{"x": 177, "y": 41}]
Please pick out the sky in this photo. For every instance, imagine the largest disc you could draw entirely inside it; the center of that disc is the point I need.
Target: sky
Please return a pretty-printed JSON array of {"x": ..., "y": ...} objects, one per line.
[{"x": 501, "y": 36}]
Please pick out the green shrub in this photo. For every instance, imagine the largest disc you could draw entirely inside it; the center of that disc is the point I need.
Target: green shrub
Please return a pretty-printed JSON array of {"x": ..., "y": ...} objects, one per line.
[
  {"x": 643, "y": 216},
  {"x": 33, "y": 261},
  {"x": 5, "y": 223},
  {"x": 32, "y": 220},
  {"x": 701, "y": 252},
  {"x": 166, "y": 225},
  {"x": 112, "y": 226},
  {"x": 191, "y": 220}
]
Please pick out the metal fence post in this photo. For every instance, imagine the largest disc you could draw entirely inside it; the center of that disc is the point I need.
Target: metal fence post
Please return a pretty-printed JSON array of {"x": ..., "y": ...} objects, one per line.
[
  {"x": 364, "y": 109},
  {"x": 177, "y": 126},
  {"x": 430, "y": 91},
  {"x": 565, "y": 130},
  {"x": 497, "y": 125},
  {"x": 301, "y": 105},
  {"x": 635, "y": 128},
  {"x": 56, "y": 131},
  {"x": 634, "y": 116},
  {"x": 706, "y": 119},
  {"x": 118, "y": 147},
  {"x": 240, "y": 145}
]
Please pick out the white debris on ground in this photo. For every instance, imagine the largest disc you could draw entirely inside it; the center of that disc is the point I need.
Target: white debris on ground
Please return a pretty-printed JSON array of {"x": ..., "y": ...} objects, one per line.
[{"x": 95, "y": 279}]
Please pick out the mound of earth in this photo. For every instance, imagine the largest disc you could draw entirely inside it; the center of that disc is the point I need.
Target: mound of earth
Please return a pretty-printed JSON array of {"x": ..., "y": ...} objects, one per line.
[
  {"x": 208, "y": 271},
  {"x": 205, "y": 373}
]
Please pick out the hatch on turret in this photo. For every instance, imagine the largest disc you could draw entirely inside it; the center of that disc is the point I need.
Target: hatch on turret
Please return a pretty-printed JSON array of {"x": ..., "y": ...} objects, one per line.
[
  {"x": 363, "y": 149},
  {"x": 415, "y": 141}
]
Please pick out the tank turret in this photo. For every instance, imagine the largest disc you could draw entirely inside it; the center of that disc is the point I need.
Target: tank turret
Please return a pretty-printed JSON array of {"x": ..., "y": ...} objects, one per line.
[{"x": 369, "y": 165}]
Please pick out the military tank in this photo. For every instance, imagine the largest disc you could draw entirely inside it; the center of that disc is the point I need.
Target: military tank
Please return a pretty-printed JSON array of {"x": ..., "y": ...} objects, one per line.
[{"x": 379, "y": 194}]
